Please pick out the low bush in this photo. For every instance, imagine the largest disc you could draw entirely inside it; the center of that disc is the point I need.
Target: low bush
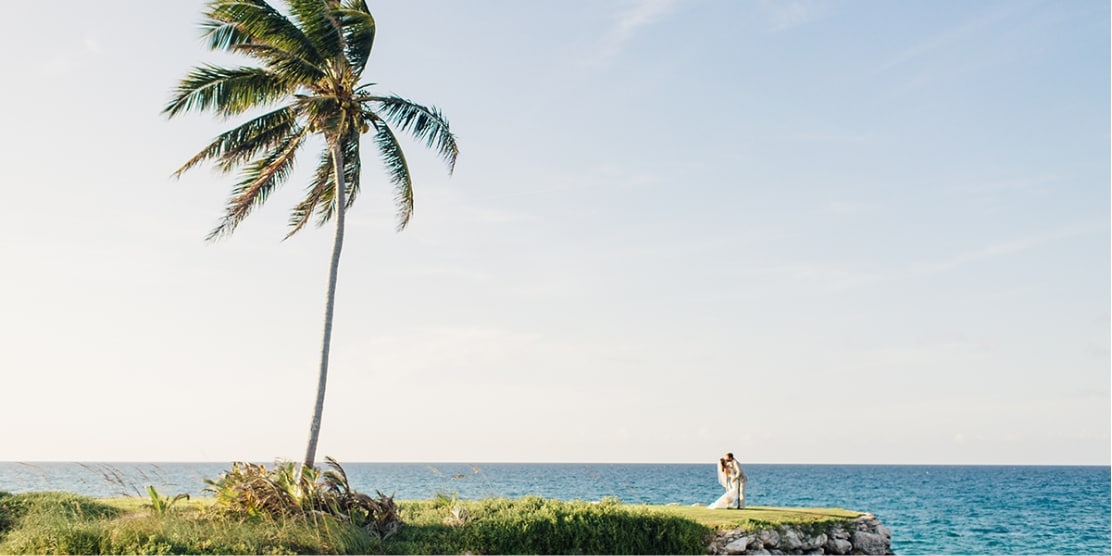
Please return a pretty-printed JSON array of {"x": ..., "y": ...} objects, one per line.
[{"x": 289, "y": 491}]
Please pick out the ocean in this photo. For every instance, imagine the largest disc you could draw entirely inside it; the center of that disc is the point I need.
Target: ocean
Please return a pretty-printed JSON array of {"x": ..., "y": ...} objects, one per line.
[{"x": 930, "y": 509}]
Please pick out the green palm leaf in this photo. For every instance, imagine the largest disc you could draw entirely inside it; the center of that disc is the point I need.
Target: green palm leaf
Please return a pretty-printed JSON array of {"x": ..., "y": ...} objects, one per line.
[
  {"x": 314, "y": 196},
  {"x": 292, "y": 67},
  {"x": 321, "y": 192},
  {"x": 359, "y": 32},
  {"x": 244, "y": 142},
  {"x": 394, "y": 160},
  {"x": 235, "y": 23},
  {"x": 259, "y": 180},
  {"x": 316, "y": 19},
  {"x": 227, "y": 91},
  {"x": 423, "y": 123},
  {"x": 353, "y": 167}
]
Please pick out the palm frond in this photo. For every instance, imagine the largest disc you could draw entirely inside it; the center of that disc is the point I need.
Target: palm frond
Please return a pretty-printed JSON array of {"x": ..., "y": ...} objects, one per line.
[
  {"x": 315, "y": 19},
  {"x": 321, "y": 192},
  {"x": 318, "y": 197},
  {"x": 359, "y": 32},
  {"x": 423, "y": 123},
  {"x": 259, "y": 180},
  {"x": 270, "y": 134},
  {"x": 246, "y": 141},
  {"x": 226, "y": 91},
  {"x": 293, "y": 68},
  {"x": 300, "y": 214},
  {"x": 233, "y": 23},
  {"x": 353, "y": 167},
  {"x": 336, "y": 478},
  {"x": 394, "y": 160}
]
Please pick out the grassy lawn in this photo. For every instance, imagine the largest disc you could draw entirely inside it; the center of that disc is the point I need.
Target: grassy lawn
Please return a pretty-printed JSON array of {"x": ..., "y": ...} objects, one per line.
[
  {"x": 62, "y": 523},
  {"x": 750, "y": 517},
  {"x": 757, "y": 516}
]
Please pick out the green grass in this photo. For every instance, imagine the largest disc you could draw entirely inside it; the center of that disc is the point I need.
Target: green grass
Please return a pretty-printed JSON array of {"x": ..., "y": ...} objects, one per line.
[
  {"x": 534, "y": 525},
  {"x": 61, "y": 523},
  {"x": 758, "y": 517}
]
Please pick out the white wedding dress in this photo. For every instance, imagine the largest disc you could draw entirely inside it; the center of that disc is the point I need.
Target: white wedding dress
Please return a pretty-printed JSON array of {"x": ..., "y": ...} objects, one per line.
[
  {"x": 729, "y": 499},
  {"x": 724, "y": 501}
]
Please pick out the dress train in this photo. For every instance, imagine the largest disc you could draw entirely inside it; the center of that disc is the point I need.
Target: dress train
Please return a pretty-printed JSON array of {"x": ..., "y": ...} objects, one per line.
[{"x": 727, "y": 500}]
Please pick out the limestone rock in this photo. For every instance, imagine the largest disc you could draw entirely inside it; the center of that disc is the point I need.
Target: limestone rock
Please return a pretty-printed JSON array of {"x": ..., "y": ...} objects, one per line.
[
  {"x": 769, "y": 538},
  {"x": 869, "y": 543},
  {"x": 866, "y": 522},
  {"x": 835, "y": 545},
  {"x": 789, "y": 540},
  {"x": 865, "y": 535},
  {"x": 737, "y": 546},
  {"x": 813, "y": 542}
]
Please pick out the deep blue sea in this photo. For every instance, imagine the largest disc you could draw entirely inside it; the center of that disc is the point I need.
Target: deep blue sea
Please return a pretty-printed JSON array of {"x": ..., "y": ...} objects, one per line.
[{"x": 930, "y": 509}]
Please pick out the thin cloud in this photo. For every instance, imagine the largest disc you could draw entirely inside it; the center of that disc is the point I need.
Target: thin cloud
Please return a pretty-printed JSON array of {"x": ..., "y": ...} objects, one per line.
[
  {"x": 839, "y": 137},
  {"x": 824, "y": 279},
  {"x": 948, "y": 37},
  {"x": 639, "y": 15},
  {"x": 988, "y": 252},
  {"x": 998, "y": 249},
  {"x": 847, "y": 207},
  {"x": 787, "y": 15}
]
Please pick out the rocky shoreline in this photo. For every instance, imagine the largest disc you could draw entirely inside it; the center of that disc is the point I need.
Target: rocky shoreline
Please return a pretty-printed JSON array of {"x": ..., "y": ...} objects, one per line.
[{"x": 864, "y": 535}]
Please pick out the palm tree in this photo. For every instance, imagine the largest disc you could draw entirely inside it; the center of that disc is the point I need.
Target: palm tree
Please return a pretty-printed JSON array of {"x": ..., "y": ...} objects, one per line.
[{"x": 311, "y": 60}]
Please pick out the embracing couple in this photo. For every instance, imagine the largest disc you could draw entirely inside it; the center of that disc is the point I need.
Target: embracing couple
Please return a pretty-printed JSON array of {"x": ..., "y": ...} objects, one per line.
[{"x": 733, "y": 479}]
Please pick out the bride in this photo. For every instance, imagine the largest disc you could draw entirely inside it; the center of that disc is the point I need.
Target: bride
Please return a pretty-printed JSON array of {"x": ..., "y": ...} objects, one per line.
[{"x": 733, "y": 479}]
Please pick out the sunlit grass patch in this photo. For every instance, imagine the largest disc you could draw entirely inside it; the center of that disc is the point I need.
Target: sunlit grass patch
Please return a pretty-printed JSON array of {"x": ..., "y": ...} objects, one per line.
[
  {"x": 533, "y": 525},
  {"x": 758, "y": 516}
]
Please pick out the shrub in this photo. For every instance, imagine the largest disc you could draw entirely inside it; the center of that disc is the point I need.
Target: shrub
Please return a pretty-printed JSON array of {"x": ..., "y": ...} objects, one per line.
[
  {"x": 159, "y": 504},
  {"x": 290, "y": 490}
]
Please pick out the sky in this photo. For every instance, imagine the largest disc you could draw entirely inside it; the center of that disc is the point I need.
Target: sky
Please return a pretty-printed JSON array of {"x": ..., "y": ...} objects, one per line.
[{"x": 804, "y": 232}]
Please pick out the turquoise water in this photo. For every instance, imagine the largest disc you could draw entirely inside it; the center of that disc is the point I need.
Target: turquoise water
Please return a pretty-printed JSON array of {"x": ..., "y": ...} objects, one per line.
[{"x": 930, "y": 509}]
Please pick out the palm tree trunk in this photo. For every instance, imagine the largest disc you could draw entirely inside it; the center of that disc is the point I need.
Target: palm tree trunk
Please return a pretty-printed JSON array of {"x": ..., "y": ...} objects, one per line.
[{"x": 337, "y": 245}]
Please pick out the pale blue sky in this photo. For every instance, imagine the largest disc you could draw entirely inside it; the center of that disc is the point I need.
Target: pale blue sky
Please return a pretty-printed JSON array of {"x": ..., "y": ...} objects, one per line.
[{"x": 806, "y": 232}]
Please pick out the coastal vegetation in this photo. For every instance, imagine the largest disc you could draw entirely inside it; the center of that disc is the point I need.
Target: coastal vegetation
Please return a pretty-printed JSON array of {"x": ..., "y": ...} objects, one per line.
[
  {"x": 311, "y": 60},
  {"x": 62, "y": 523}
]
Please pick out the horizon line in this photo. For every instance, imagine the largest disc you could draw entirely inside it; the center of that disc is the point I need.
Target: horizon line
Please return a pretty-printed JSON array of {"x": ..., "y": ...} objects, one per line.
[{"x": 476, "y": 463}]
